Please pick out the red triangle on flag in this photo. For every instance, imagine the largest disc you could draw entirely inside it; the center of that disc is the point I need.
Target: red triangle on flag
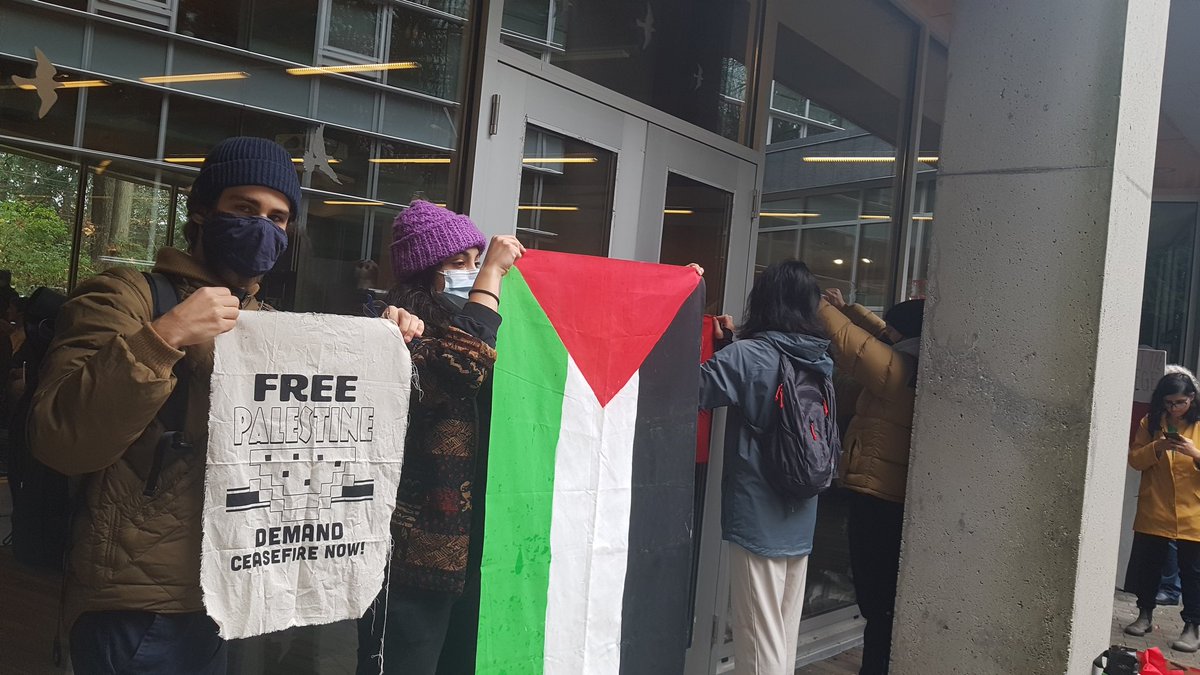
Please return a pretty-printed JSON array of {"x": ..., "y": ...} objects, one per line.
[{"x": 609, "y": 313}]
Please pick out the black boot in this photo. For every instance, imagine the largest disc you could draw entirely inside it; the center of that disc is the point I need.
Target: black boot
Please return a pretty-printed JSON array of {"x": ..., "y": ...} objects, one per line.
[
  {"x": 1189, "y": 639},
  {"x": 1143, "y": 624}
]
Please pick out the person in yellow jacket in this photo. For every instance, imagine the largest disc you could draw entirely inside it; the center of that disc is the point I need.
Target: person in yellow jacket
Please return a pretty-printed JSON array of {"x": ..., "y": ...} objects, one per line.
[
  {"x": 1165, "y": 451},
  {"x": 881, "y": 356}
]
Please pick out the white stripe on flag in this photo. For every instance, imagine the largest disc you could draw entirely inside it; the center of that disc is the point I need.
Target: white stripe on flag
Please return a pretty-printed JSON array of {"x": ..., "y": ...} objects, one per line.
[{"x": 589, "y": 529}]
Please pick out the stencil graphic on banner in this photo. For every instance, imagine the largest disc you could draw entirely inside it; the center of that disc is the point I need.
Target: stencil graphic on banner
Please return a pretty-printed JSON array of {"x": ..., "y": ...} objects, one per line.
[{"x": 306, "y": 441}]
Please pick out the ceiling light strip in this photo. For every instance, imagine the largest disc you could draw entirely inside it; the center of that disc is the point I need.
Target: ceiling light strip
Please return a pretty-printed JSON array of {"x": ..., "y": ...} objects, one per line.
[
  {"x": 195, "y": 77},
  {"x": 354, "y": 68}
]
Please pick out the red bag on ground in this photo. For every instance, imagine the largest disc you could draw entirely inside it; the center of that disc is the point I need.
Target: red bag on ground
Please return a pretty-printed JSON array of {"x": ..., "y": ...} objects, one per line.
[{"x": 1154, "y": 663}]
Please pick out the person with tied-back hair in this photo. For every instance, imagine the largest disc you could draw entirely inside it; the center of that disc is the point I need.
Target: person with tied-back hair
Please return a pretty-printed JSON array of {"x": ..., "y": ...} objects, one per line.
[{"x": 1165, "y": 451}]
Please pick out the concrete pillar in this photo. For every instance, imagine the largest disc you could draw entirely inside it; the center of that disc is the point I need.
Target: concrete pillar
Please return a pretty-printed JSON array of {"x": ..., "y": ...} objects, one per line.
[{"x": 1015, "y": 483}]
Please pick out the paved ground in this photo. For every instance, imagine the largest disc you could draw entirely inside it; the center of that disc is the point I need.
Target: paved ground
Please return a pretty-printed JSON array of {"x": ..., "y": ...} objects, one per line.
[
  {"x": 1167, "y": 626},
  {"x": 24, "y": 642}
]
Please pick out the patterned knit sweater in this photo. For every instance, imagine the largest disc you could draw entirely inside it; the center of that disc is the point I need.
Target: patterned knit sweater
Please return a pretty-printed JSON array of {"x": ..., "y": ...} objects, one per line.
[{"x": 431, "y": 525}]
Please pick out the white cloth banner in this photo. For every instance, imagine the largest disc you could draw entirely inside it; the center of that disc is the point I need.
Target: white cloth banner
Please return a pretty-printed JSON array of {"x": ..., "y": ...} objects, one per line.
[{"x": 306, "y": 441}]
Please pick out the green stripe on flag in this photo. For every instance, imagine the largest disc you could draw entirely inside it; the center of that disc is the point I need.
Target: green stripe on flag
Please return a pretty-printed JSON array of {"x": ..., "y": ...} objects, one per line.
[{"x": 531, "y": 372}]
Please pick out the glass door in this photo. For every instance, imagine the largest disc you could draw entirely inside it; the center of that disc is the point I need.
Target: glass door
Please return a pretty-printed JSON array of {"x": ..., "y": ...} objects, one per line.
[
  {"x": 697, "y": 206},
  {"x": 568, "y": 173},
  {"x": 557, "y": 168}
]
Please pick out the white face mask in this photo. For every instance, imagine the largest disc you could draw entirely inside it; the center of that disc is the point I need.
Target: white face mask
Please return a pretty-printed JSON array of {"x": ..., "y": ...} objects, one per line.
[{"x": 459, "y": 282}]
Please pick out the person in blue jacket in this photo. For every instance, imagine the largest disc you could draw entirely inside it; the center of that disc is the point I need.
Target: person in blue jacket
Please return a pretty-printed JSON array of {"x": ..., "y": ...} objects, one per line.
[{"x": 769, "y": 537}]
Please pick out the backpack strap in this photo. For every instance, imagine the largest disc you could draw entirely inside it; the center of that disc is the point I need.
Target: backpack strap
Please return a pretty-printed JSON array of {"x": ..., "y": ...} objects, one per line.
[
  {"x": 173, "y": 415},
  {"x": 163, "y": 295}
]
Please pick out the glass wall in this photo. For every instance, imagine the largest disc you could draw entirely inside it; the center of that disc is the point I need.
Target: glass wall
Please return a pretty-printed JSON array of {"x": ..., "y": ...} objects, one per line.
[
  {"x": 106, "y": 116},
  {"x": 849, "y": 186},
  {"x": 688, "y": 58},
  {"x": 1167, "y": 298},
  {"x": 839, "y": 121},
  {"x": 366, "y": 94},
  {"x": 37, "y": 219}
]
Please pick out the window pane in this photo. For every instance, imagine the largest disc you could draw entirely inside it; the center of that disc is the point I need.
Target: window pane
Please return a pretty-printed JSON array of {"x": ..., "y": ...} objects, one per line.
[
  {"x": 125, "y": 223},
  {"x": 789, "y": 101},
  {"x": 1169, "y": 268},
  {"x": 353, "y": 26},
  {"x": 874, "y": 263},
  {"x": 127, "y": 53},
  {"x": 285, "y": 29},
  {"x": 776, "y": 246},
  {"x": 332, "y": 243},
  {"x": 436, "y": 45},
  {"x": 684, "y": 57},
  {"x": 265, "y": 85},
  {"x": 833, "y": 208},
  {"x": 926, "y": 167},
  {"x": 37, "y": 217},
  {"x": 830, "y": 585},
  {"x": 123, "y": 119},
  {"x": 406, "y": 172},
  {"x": 785, "y": 130},
  {"x": 530, "y": 18},
  {"x": 19, "y": 108},
  {"x": 696, "y": 229},
  {"x": 23, "y": 27},
  {"x": 829, "y": 253},
  {"x": 566, "y": 194}
]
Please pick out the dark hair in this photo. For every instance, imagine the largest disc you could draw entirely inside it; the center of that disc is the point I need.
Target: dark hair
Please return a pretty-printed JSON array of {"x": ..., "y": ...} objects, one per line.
[
  {"x": 907, "y": 317},
  {"x": 415, "y": 294},
  {"x": 1172, "y": 384},
  {"x": 784, "y": 298}
]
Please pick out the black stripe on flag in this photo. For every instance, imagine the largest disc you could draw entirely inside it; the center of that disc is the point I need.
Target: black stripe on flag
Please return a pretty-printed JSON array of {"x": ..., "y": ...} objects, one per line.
[{"x": 656, "y": 613}]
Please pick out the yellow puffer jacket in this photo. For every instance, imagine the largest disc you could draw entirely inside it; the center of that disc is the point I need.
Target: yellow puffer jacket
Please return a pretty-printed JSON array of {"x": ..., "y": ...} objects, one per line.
[
  {"x": 875, "y": 447},
  {"x": 105, "y": 378},
  {"x": 1169, "y": 496}
]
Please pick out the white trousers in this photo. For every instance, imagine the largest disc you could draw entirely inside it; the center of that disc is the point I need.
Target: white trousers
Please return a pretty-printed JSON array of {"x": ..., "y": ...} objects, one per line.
[{"x": 767, "y": 596}]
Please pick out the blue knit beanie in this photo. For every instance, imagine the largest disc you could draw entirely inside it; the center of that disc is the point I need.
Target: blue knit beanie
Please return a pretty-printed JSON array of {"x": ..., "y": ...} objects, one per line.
[{"x": 245, "y": 160}]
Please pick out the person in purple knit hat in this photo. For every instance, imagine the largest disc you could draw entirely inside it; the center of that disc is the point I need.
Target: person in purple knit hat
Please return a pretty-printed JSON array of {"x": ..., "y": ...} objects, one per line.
[{"x": 436, "y": 257}]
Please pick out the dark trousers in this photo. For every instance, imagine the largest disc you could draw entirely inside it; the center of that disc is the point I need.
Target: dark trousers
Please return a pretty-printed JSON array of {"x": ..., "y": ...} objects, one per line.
[
  {"x": 410, "y": 637},
  {"x": 136, "y": 643},
  {"x": 875, "y": 527},
  {"x": 1145, "y": 572}
]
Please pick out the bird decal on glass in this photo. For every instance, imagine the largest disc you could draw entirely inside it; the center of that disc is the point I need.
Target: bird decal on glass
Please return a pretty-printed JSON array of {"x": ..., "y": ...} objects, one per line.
[
  {"x": 647, "y": 26},
  {"x": 42, "y": 81},
  {"x": 316, "y": 158}
]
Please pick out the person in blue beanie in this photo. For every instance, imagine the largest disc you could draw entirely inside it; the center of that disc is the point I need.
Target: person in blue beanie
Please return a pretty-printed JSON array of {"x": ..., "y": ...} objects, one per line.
[{"x": 118, "y": 377}]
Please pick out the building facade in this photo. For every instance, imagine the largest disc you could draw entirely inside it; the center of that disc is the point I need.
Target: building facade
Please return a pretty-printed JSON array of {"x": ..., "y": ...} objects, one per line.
[{"x": 733, "y": 133}]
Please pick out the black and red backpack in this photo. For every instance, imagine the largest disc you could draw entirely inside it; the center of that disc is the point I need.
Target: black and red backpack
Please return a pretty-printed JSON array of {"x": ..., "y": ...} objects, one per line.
[{"x": 801, "y": 451}]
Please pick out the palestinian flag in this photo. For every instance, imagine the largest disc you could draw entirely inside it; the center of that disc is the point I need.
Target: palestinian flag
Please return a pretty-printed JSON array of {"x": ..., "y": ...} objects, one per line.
[{"x": 587, "y": 544}]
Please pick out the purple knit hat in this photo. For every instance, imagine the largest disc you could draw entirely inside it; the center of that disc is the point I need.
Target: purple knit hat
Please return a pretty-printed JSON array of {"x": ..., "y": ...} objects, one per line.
[{"x": 425, "y": 234}]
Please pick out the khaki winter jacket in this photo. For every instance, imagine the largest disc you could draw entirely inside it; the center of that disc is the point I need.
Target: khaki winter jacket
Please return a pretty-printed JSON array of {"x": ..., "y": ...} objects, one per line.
[
  {"x": 875, "y": 447},
  {"x": 106, "y": 376},
  {"x": 1169, "y": 493}
]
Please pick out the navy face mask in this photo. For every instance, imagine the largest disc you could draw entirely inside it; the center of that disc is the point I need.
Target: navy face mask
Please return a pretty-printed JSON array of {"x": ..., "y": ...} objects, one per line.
[{"x": 247, "y": 245}]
